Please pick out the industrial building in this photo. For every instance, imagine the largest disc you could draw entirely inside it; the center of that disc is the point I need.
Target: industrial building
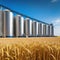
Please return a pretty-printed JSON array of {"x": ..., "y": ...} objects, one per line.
[{"x": 19, "y": 25}]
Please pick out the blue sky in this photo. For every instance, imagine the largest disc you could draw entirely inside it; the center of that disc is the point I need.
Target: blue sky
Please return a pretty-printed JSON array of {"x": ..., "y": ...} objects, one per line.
[{"x": 44, "y": 10}]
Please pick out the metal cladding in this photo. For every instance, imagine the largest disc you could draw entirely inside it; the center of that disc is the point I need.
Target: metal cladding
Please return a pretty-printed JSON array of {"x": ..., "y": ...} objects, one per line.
[
  {"x": 1, "y": 23},
  {"x": 8, "y": 23},
  {"x": 28, "y": 27}
]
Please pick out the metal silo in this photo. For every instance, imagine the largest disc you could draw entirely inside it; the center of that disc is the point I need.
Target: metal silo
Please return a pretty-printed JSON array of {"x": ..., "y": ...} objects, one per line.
[
  {"x": 21, "y": 26},
  {"x": 44, "y": 29},
  {"x": 47, "y": 30},
  {"x": 51, "y": 30},
  {"x": 28, "y": 27},
  {"x": 19, "y": 20},
  {"x": 1, "y": 23},
  {"x": 34, "y": 28},
  {"x": 39, "y": 29},
  {"x": 8, "y": 23},
  {"x": 17, "y": 25}
]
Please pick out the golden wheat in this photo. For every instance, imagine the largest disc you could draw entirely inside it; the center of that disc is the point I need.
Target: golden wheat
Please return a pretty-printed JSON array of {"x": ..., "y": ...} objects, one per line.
[{"x": 30, "y": 48}]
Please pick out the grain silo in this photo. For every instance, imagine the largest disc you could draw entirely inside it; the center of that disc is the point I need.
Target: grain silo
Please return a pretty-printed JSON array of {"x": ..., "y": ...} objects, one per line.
[
  {"x": 1, "y": 23},
  {"x": 8, "y": 23},
  {"x": 48, "y": 30},
  {"x": 39, "y": 29},
  {"x": 28, "y": 27},
  {"x": 44, "y": 29},
  {"x": 34, "y": 28},
  {"x": 19, "y": 26},
  {"x": 51, "y": 30},
  {"x": 52, "y": 27}
]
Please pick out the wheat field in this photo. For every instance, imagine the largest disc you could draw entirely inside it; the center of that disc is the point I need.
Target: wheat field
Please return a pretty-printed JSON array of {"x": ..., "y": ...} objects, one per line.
[{"x": 40, "y": 48}]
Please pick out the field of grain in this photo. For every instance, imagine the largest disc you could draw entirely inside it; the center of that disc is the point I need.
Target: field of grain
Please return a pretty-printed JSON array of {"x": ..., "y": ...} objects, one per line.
[{"x": 41, "y": 48}]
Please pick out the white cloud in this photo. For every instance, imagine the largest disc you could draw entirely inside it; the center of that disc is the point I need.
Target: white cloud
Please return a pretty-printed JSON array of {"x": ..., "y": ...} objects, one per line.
[
  {"x": 56, "y": 27},
  {"x": 57, "y": 30},
  {"x": 52, "y": 1},
  {"x": 57, "y": 22}
]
